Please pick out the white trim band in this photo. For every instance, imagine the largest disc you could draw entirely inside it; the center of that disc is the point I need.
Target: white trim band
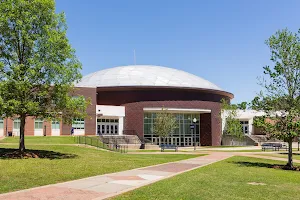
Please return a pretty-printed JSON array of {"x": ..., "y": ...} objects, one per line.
[{"x": 180, "y": 110}]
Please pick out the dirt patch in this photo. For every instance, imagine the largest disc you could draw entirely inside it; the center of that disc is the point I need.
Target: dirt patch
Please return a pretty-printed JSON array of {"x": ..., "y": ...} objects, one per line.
[
  {"x": 7, "y": 153},
  {"x": 285, "y": 167},
  {"x": 256, "y": 183},
  {"x": 17, "y": 154}
]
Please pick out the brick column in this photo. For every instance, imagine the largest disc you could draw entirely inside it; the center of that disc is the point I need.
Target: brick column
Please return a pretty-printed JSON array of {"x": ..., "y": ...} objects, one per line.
[{"x": 205, "y": 129}]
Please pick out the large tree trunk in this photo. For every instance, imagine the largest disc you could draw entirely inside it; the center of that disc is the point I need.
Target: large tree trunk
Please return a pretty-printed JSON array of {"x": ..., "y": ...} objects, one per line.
[
  {"x": 290, "y": 158},
  {"x": 22, "y": 132}
]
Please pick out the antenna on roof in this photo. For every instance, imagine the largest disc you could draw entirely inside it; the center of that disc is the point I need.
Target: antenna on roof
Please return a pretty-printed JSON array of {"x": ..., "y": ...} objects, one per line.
[{"x": 134, "y": 58}]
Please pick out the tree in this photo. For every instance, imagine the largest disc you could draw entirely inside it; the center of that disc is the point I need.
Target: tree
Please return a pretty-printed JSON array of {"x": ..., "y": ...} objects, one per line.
[
  {"x": 279, "y": 98},
  {"x": 38, "y": 66},
  {"x": 164, "y": 123},
  {"x": 229, "y": 114}
]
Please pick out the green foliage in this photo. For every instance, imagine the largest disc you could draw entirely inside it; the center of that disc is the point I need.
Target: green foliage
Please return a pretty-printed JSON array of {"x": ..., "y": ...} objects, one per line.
[
  {"x": 229, "y": 113},
  {"x": 242, "y": 106},
  {"x": 281, "y": 88},
  {"x": 38, "y": 66},
  {"x": 165, "y": 123},
  {"x": 233, "y": 127}
]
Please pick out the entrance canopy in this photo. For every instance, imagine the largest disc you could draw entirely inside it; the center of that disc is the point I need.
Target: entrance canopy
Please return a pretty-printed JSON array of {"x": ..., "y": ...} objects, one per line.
[{"x": 178, "y": 110}]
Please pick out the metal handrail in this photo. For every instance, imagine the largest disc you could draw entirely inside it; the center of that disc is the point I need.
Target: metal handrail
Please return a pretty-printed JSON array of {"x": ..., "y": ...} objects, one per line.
[{"x": 96, "y": 142}]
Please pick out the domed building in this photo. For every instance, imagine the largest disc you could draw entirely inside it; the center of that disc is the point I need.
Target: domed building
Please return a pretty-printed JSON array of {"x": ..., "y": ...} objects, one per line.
[{"x": 125, "y": 100}]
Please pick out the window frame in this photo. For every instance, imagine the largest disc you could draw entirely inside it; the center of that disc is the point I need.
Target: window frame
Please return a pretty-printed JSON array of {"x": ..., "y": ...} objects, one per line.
[
  {"x": 38, "y": 123},
  {"x": 55, "y": 125},
  {"x": 1, "y": 123},
  {"x": 78, "y": 124},
  {"x": 18, "y": 123}
]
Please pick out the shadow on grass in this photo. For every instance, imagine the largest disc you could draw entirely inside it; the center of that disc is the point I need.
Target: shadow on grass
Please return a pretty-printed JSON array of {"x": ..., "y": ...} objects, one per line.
[
  {"x": 266, "y": 165},
  {"x": 7, "y": 153},
  {"x": 294, "y": 154}
]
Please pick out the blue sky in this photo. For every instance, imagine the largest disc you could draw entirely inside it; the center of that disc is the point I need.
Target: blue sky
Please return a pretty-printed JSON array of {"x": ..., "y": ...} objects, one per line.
[{"x": 221, "y": 41}]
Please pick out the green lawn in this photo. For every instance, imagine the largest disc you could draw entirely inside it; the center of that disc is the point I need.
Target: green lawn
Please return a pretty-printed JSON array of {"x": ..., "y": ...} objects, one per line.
[
  {"x": 41, "y": 140},
  {"x": 151, "y": 150},
  {"x": 225, "y": 150},
  {"x": 228, "y": 179},
  {"x": 222, "y": 146},
  {"x": 296, "y": 156},
  {"x": 250, "y": 150},
  {"x": 16, "y": 174}
]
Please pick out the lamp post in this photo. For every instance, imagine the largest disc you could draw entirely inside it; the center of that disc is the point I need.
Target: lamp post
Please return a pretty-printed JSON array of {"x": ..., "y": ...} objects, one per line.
[{"x": 194, "y": 131}]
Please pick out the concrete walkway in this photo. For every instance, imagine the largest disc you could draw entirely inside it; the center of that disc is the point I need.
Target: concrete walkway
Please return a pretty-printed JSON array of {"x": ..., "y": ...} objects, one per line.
[
  {"x": 220, "y": 148},
  {"x": 108, "y": 185}
]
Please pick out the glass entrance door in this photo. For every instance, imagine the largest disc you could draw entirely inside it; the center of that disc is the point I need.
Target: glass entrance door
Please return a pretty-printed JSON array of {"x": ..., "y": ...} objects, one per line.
[
  {"x": 183, "y": 135},
  {"x": 107, "y": 126}
]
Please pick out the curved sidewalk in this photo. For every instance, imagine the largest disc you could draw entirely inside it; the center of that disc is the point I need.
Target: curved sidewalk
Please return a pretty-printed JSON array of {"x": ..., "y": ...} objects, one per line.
[{"x": 108, "y": 185}]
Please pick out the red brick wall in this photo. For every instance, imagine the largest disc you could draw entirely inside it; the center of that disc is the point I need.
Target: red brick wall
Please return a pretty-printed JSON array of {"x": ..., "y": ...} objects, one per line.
[
  {"x": 90, "y": 121},
  {"x": 48, "y": 127},
  {"x": 9, "y": 125},
  {"x": 120, "y": 96},
  {"x": 205, "y": 129},
  {"x": 29, "y": 126},
  {"x": 65, "y": 129},
  {"x": 210, "y": 123}
]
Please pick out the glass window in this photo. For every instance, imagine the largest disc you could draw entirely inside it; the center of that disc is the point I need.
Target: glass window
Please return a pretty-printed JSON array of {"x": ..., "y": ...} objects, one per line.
[
  {"x": 107, "y": 126},
  {"x": 107, "y": 129},
  {"x": 1, "y": 122},
  {"x": 78, "y": 124},
  {"x": 103, "y": 129},
  {"x": 38, "y": 123},
  {"x": 246, "y": 130},
  {"x": 116, "y": 129},
  {"x": 184, "y": 121},
  {"x": 245, "y": 126},
  {"x": 17, "y": 124},
  {"x": 55, "y": 125}
]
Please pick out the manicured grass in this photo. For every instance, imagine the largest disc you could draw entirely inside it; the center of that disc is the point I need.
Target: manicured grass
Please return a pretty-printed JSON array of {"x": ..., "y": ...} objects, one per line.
[
  {"x": 222, "y": 146},
  {"x": 250, "y": 150},
  {"x": 296, "y": 156},
  {"x": 150, "y": 150},
  {"x": 228, "y": 179},
  {"x": 225, "y": 150},
  {"x": 16, "y": 174},
  {"x": 41, "y": 140}
]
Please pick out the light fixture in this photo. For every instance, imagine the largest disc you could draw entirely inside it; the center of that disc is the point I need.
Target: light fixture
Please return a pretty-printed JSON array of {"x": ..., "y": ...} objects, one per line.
[{"x": 194, "y": 120}]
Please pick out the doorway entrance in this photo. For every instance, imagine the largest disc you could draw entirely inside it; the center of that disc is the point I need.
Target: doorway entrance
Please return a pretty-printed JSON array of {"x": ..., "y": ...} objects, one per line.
[{"x": 107, "y": 126}]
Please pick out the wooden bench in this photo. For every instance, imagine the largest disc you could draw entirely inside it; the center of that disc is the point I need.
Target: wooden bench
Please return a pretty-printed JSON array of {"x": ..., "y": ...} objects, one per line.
[{"x": 168, "y": 146}]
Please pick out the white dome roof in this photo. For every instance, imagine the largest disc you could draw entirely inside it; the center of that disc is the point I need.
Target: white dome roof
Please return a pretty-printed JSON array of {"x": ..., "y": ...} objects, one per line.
[{"x": 144, "y": 75}]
